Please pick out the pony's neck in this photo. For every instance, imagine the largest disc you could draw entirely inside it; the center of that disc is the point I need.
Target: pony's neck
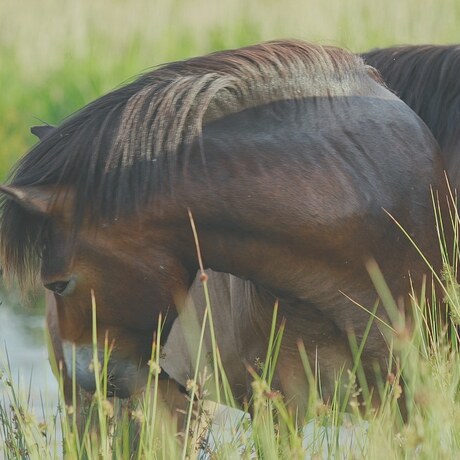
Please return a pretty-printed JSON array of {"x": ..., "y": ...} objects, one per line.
[
  {"x": 285, "y": 204},
  {"x": 270, "y": 198}
]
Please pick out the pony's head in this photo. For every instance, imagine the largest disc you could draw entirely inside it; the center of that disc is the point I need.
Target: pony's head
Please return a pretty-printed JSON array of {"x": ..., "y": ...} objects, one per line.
[{"x": 131, "y": 276}]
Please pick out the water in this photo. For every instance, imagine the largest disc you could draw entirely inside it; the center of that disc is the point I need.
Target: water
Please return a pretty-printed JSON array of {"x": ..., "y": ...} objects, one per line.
[{"x": 24, "y": 359}]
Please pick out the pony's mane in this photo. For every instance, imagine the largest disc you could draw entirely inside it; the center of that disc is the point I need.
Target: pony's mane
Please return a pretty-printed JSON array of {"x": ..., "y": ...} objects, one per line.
[
  {"x": 118, "y": 150},
  {"x": 427, "y": 79}
]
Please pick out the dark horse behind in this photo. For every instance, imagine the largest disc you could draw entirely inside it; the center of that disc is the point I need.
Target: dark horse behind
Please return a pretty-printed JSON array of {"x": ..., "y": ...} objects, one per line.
[
  {"x": 291, "y": 158},
  {"x": 427, "y": 79}
]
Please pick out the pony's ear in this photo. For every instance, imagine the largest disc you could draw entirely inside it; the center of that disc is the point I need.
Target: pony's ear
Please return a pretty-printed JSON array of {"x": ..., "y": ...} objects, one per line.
[
  {"x": 38, "y": 200},
  {"x": 42, "y": 131}
]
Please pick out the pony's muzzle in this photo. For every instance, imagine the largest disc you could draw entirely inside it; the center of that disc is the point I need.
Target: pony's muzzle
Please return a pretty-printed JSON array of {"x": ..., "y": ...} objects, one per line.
[{"x": 124, "y": 377}]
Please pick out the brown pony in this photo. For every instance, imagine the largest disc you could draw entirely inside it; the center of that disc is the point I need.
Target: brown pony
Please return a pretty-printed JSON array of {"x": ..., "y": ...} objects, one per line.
[
  {"x": 426, "y": 78},
  {"x": 290, "y": 156}
]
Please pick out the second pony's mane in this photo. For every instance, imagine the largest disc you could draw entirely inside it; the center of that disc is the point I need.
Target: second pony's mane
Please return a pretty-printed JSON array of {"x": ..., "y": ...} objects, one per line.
[{"x": 426, "y": 78}]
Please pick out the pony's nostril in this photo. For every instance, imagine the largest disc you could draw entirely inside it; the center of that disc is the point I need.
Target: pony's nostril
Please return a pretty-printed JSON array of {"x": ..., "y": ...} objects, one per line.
[{"x": 58, "y": 287}]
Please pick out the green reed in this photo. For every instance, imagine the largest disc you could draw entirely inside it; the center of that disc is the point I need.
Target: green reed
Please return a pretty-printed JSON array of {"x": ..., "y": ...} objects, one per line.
[{"x": 428, "y": 374}]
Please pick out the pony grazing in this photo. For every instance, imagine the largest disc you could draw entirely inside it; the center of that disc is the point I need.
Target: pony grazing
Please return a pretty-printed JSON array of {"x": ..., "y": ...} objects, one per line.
[
  {"x": 426, "y": 78},
  {"x": 291, "y": 158}
]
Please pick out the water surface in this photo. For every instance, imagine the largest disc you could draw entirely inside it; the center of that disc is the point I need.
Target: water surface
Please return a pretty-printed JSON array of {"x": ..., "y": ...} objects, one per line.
[{"x": 24, "y": 358}]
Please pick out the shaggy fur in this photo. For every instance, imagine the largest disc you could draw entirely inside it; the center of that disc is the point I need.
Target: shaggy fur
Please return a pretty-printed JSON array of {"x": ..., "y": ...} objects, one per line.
[{"x": 119, "y": 150}]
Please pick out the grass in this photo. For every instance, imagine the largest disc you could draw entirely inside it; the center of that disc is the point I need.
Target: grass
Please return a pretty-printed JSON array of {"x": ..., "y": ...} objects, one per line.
[
  {"x": 56, "y": 56},
  {"x": 426, "y": 384},
  {"x": 429, "y": 377}
]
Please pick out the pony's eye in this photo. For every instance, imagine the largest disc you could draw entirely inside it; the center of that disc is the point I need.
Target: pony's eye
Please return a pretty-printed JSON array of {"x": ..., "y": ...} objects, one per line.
[{"x": 62, "y": 288}]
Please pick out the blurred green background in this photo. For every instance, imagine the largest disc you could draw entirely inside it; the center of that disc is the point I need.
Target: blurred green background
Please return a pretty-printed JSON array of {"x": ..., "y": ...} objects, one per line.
[{"x": 56, "y": 55}]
